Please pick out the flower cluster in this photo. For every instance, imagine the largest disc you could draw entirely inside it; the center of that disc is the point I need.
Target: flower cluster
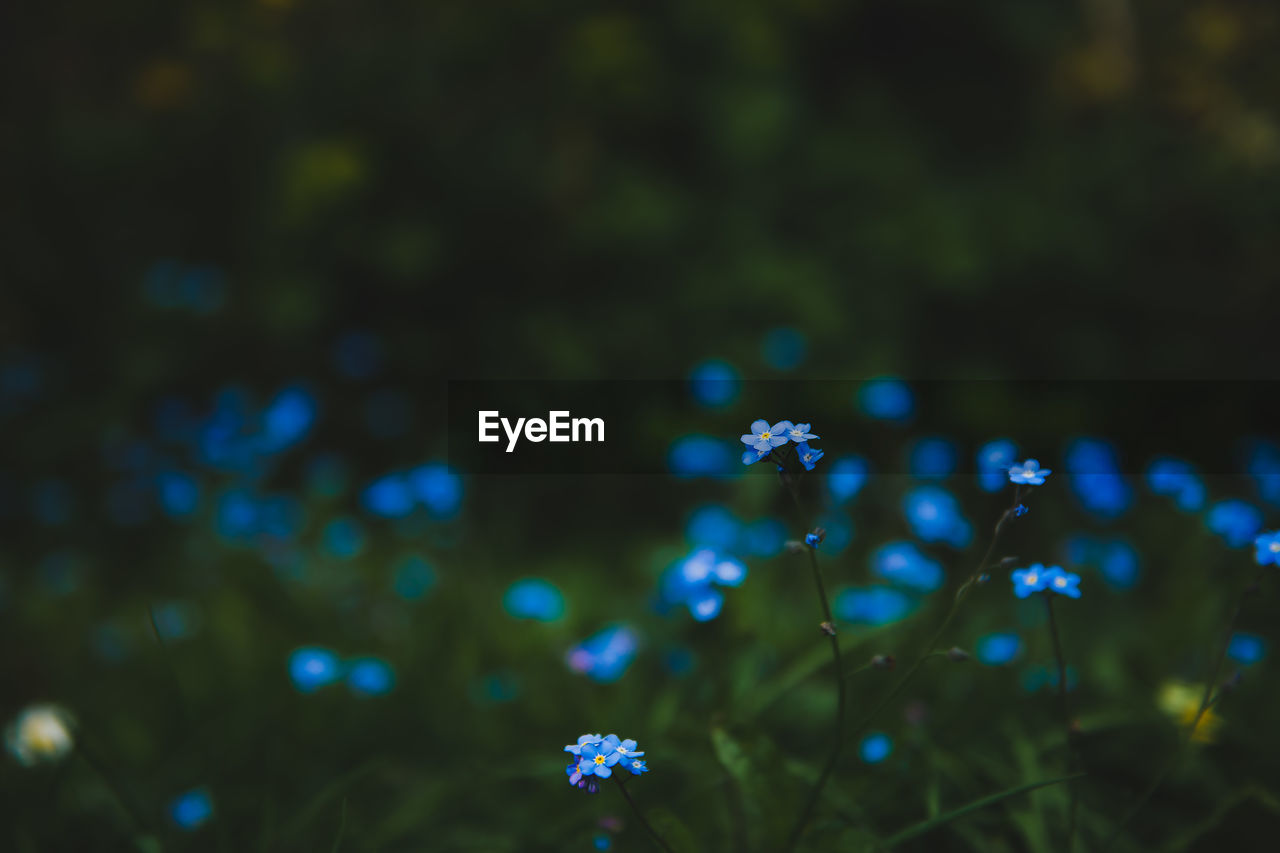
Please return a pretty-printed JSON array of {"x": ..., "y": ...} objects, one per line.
[
  {"x": 596, "y": 757},
  {"x": 764, "y": 439},
  {"x": 693, "y": 580},
  {"x": 1036, "y": 578}
]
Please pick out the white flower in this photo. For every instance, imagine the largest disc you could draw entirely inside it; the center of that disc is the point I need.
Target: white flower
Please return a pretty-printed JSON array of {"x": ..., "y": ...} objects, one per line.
[{"x": 40, "y": 733}]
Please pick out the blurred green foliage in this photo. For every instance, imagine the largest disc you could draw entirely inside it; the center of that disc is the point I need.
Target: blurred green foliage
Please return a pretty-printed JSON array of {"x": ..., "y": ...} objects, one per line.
[{"x": 992, "y": 189}]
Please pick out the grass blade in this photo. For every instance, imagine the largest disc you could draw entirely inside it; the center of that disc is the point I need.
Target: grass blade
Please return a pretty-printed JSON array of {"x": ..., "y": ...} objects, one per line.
[{"x": 946, "y": 817}]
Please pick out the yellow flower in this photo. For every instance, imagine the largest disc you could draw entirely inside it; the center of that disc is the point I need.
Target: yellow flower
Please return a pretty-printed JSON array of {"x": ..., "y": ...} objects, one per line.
[
  {"x": 40, "y": 733},
  {"x": 1182, "y": 702}
]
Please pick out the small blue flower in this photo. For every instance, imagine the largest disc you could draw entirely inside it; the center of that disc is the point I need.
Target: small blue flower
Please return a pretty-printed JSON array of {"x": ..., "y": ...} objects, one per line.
[
  {"x": 1020, "y": 510},
  {"x": 576, "y": 749},
  {"x": 809, "y": 456},
  {"x": 625, "y": 748},
  {"x": 1029, "y": 580},
  {"x": 312, "y": 667},
  {"x": 1246, "y": 649},
  {"x": 799, "y": 433},
  {"x": 1268, "y": 545},
  {"x": 765, "y": 437},
  {"x": 636, "y": 766},
  {"x": 1062, "y": 582},
  {"x": 1028, "y": 473},
  {"x": 751, "y": 457},
  {"x": 812, "y": 540},
  {"x": 994, "y": 459},
  {"x": 597, "y": 759}
]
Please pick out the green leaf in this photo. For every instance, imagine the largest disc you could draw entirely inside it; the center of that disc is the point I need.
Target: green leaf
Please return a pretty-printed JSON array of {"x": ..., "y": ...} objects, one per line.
[{"x": 955, "y": 814}]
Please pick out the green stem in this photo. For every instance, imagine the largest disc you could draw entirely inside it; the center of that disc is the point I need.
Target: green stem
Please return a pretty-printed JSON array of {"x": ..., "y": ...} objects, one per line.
[
  {"x": 653, "y": 833},
  {"x": 1066, "y": 717},
  {"x": 1207, "y": 700},
  {"x": 122, "y": 795}
]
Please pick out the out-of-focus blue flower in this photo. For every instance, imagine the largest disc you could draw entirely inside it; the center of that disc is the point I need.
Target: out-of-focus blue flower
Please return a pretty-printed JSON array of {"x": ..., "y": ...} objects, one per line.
[
  {"x": 690, "y": 582},
  {"x": 236, "y": 517},
  {"x": 179, "y": 493},
  {"x": 886, "y": 399},
  {"x": 370, "y": 676},
  {"x": 53, "y": 502},
  {"x": 604, "y": 656},
  {"x": 312, "y": 667},
  {"x": 846, "y": 477},
  {"x": 343, "y": 538},
  {"x": 191, "y": 809},
  {"x": 1116, "y": 558},
  {"x": 1246, "y": 649},
  {"x": 358, "y": 355},
  {"x": 1263, "y": 464},
  {"x": 714, "y": 384},
  {"x": 1176, "y": 479},
  {"x": 873, "y": 605},
  {"x": 601, "y": 841},
  {"x": 998, "y": 649},
  {"x": 173, "y": 620},
  {"x": 288, "y": 418},
  {"x": 903, "y": 563},
  {"x": 714, "y": 527},
  {"x": 766, "y": 437},
  {"x": 439, "y": 489},
  {"x": 799, "y": 433},
  {"x": 1036, "y": 678},
  {"x": 809, "y": 456},
  {"x": 1062, "y": 582},
  {"x": 1028, "y": 473},
  {"x": 534, "y": 598},
  {"x": 1235, "y": 521},
  {"x": 837, "y": 531},
  {"x": 765, "y": 537},
  {"x": 784, "y": 348},
  {"x": 413, "y": 578},
  {"x": 932, "y": 458},
  {"x": 994, "y": 460},
  {"x": 389, "y": 496},
  {"x": 934, "y": 516},
  {"x": 701, "y": 456},
  {"x": 1268, "y": 548},
  {"x": 1029, "y": 580},
  {"x": 875, "y": 747},
  {"x": 1095, "y": 478}
]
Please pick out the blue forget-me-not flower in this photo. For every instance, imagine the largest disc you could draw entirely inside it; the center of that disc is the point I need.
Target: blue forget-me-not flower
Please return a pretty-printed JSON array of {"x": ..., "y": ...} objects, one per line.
[{"x": 1028, "y": 473}]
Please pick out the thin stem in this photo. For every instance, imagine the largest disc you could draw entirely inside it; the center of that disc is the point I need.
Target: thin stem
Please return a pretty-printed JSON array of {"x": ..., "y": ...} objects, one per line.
[
  {"x": 838, "y": 738},
  {"x": 122, "y": 795},
  {"x": 1066, "y": 717},
  {"x": 653, "y": 833},
  {"x": 946, "y": 621},
  {"x": 1207, "y": 700}
]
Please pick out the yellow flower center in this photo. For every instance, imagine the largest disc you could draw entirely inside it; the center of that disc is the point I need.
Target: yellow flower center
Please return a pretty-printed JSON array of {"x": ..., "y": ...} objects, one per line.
[
  {"x": 599, "y": 759},
  {"x": 1032, "y": 578},
  {"x": 1059, "y": 582},
  {"x": 766, "y": 434},
  {"x": 1275, "y": 547}
]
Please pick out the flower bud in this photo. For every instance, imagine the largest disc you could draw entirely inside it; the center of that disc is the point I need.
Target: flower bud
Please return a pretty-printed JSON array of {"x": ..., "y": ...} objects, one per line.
[
  {"x": 828, "y": 629},
  {"x": 957, "y": 654},
  {"x": 883, "y": 661}
]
